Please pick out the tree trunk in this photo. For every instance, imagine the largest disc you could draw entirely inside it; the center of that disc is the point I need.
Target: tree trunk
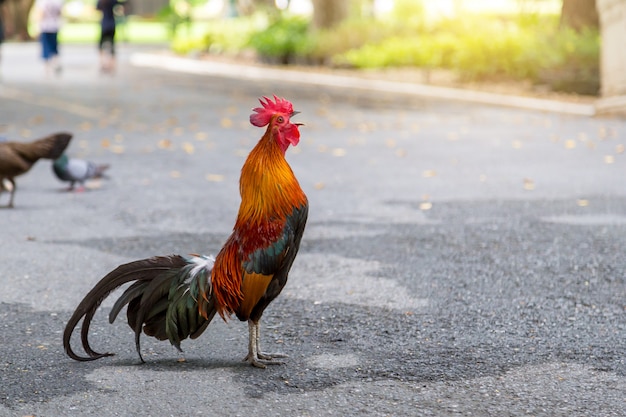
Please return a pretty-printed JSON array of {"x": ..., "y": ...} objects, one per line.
[
  {"x": 328, "y": 13},
  {"x": 579, "y": 14},
  {"x": 16, "y": 18}
]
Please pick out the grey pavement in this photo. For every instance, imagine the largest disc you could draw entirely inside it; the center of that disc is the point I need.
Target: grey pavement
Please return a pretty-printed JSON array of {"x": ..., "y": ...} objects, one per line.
[{"x": 460, "y": 258}]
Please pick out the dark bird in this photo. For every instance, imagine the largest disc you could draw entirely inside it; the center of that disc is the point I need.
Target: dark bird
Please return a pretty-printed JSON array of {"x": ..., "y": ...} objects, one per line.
[
  {"x": 74, "y": 170},
  {"x": 16, "y": 158},
  {"x": 175, "y": 297}
]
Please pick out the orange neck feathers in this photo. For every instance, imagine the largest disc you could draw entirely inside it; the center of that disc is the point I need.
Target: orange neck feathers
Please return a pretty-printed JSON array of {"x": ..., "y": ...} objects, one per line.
[
  {"x": 269, "y": 193},
  {"x": 269, "y": 189}
]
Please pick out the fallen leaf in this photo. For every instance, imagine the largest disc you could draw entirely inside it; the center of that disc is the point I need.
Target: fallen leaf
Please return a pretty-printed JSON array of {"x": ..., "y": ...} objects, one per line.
[
  {"x": 582, "y": 202},
  {"x": 85, "y": 126},
  {"x": 391, "y": 143},
  {"x": 609, "y": 159},
  {"x": 214, "y": 177},
  {"x": 189, "y": 148},
  {"x": 516, "y": 144},
  {"x": 179, "y": 131},
  {"x": 201, "y": 136},
  {"x": 36, "y": 120},
  {"x": 338, "y": 124},
  {"x": 226, "y": 123},
  {"x": 105, "y": 143},
  {"x": 570, "y": 144},
  {"x": 175, "y": 174},
  {"x": 319, "y": 185},
  {"x": 620, "y": 148},
  {"x": 118, "y": 149},
  {"x": 529, "y": 184},
  {"x": 401, "y": 153},
  {"x": 429, "y": 173},
  {"x": 118, "y": 138},
  {"x": 164, "y": 144},
  {"x": 482, "y": 178},
  {"x": 338, "y": 152},
  {"x": 426, "y": 205}
]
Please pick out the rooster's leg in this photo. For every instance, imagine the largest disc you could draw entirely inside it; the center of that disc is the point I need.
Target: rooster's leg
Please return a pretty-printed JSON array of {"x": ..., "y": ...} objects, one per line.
[
  {"x": 260, "y": 353},
  {"x": 255, "y": 356},
  {"x": 12, "y": 192}
]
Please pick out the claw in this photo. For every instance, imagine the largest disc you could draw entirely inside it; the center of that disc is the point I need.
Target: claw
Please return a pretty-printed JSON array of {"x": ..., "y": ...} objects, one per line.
[{"x": 255, "y": 357}]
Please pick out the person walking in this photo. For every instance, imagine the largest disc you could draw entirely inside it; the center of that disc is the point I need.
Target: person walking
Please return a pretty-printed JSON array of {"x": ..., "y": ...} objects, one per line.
[
  {"x": 49, "y": 19},
  {"x": 1, "y": 35},
  {"x": 106, "y": 45}
]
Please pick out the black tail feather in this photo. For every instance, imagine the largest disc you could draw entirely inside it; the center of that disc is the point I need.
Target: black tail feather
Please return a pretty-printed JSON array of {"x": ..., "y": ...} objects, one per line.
[{"x": 142, "y": 270}]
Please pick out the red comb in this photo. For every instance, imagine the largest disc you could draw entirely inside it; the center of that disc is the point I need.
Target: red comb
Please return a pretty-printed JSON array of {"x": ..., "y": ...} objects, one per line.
[{"x": 262, "y": 115}]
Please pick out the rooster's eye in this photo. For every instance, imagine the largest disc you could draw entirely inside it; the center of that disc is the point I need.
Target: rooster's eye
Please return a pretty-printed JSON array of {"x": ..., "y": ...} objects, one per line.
[{"x": 280, "y": 119}]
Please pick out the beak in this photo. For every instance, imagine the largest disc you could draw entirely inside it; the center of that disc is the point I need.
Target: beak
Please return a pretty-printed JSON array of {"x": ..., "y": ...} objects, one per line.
[{"x": 294, "y": 113}]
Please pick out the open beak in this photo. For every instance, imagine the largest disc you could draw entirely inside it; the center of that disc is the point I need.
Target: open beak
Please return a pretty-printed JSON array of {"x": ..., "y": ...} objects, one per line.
[{"x": 294, "y": 113}]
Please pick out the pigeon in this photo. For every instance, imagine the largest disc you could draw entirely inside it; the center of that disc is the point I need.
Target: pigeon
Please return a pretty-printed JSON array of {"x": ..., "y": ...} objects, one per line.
[{"x": 75, "y": 170}]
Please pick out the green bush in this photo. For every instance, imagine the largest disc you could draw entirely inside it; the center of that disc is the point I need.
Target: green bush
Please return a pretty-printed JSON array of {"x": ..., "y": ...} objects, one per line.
[
  {"x": 281, "y": 40},
  {"x": 349, "y": 35},
  {"x": 219, "y": 36},
  {"x": 476, "y": 47},
  {"x": 486, "y": 47}
]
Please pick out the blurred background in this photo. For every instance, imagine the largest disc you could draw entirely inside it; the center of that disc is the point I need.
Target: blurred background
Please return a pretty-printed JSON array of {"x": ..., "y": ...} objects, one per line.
[{"x": 544, "y": 45}]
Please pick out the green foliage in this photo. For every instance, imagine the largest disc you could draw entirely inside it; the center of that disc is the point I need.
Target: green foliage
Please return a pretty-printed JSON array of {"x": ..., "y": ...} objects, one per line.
[
  {"x": 522, "y": 46},
  {"x": 282, "y": 39},
  {"x": 485, "y": 47},
  {"x": 218, "y": 36},
  {"x": 351, "y": 34}
]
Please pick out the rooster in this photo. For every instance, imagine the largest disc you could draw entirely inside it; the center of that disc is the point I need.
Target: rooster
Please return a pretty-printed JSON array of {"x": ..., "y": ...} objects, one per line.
[
  {"x": 175, "y": 297},
  {"x": 16, "y": 158}
]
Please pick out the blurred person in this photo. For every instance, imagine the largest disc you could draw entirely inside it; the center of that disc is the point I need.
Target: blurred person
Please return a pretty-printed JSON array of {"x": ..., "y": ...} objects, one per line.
[
  {"x": 1, "y": 31},
  {"x": 106, "y": 44},
  {"x": 49, "y": 22}
]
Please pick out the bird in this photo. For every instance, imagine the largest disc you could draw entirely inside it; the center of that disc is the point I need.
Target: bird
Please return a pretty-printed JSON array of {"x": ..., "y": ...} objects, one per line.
[
  {"x": 74, "y": 170},
  {"x": 17, "y": 158},
  {"x": 173, "y": 297}
]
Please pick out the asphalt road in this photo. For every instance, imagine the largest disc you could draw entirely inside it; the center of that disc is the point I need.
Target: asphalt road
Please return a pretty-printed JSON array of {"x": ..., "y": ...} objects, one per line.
[{"x": 460, "y": 259}]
